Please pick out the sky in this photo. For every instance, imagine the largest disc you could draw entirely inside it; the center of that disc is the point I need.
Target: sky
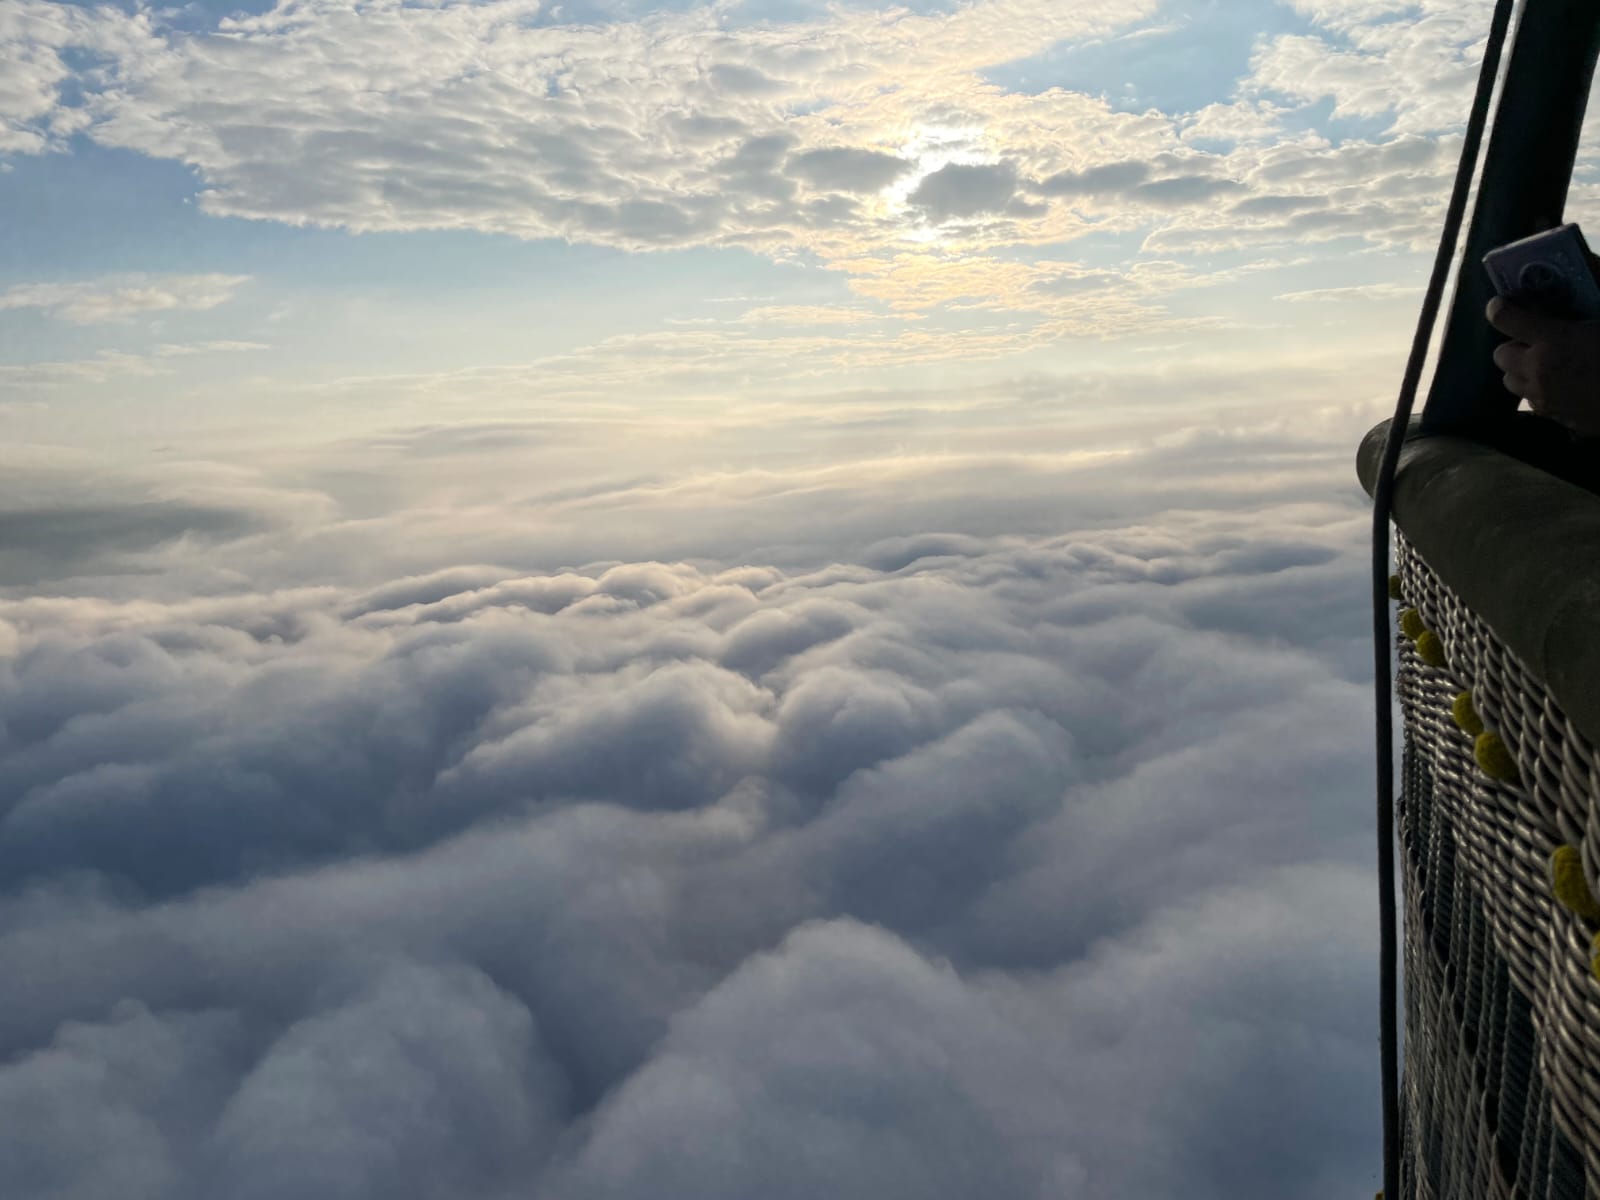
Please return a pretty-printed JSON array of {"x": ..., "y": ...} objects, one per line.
[{"x": 647, "y": 600}]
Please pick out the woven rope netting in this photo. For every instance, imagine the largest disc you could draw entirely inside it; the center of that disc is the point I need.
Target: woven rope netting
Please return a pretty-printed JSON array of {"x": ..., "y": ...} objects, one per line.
[{"x": 1501, "y": 1092}]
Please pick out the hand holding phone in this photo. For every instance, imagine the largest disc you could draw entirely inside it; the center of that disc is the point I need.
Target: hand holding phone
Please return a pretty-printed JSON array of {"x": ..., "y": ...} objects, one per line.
[
  {"x": 1548, "y": 273},
  {"x": 1549, "y": 309}
]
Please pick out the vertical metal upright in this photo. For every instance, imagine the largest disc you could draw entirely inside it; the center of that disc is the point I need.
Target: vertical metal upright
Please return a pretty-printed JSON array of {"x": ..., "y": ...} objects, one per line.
[{"x": 1522, "y": 189}]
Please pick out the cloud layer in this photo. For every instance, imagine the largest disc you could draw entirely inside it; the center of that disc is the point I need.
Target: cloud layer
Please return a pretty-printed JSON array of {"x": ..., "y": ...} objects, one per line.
[
  {"x": 859, "y": 133},
  {"x": 961, "y": 862},
  {"x": 968, "y": 219}
]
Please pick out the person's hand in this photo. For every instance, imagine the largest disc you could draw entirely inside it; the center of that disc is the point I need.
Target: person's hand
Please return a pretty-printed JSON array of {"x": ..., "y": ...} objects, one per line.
[{"x": 1551, "y": 363}]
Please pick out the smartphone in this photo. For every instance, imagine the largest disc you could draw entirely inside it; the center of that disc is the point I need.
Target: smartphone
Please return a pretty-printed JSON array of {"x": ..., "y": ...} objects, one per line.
[{"x": 1547, "y": 273}]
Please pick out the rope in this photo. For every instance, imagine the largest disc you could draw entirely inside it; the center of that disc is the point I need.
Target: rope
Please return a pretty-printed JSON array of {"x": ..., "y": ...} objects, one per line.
[{"x": 1382, "y": 507}]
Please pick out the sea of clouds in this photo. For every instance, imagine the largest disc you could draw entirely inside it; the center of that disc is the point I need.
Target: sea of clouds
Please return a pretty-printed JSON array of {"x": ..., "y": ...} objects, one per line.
[
  {"x": 685, "y": 767},
  {"x": 937, "y": 852}
]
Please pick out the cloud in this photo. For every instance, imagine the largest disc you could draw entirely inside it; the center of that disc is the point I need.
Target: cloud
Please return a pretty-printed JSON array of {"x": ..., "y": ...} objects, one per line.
[
  {"x": 29, "y": 91},
  {"x": 667, "y": 130},
  {"x": 122, "y": 297},
  {"x": 108, "y": 365},
  {"x": 219, "y": 346},
  {"x": 1130, "y": 182},
  {"x": 960, "y": 190},
  {"x": 852, "y": 1061},
  {"x": 677, "y": 129},
  {"x": 101, "y": 368},
  {"x": 372, "y": 1094},
  {"x": 848, "y": 169},
  {"x": 37, "y": 41},
  {"x": 804, "y": 315},
  {"x": 125, "y": 1088},
  {"x": 1235, "y": 123},
  {"x": 1274, "y": 206},
  {"x": 52, "y": 540},
  {"x": 590, "y": 480},
  {"x": 1105, "y": 179},
  {"x": 913, "y": 1058},
  {"x": 938, "y": 854},
  {"x": 1388, "y": 193},
  {"x": 851, "y": 138},
  {"x": 1370, "y": 67},
  {"x": 1364, "y": 291},
  {"x": 1181, "y": 190}
]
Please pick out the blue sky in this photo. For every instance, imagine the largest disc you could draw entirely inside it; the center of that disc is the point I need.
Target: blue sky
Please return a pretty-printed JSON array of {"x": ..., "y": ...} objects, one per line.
[{"x": 646, "y": 600}]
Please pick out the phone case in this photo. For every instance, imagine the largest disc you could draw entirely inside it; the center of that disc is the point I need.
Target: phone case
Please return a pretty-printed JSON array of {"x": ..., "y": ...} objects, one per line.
[{"x": 1547, "y": 273}]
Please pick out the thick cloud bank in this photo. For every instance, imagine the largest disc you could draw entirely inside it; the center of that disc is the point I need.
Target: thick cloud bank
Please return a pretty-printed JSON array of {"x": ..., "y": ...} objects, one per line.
[{"x": 971, "y": 866}]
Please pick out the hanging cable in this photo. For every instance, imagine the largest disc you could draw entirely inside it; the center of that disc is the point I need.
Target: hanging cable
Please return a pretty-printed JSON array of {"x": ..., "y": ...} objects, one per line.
[{"x": 1382, "y": 506}]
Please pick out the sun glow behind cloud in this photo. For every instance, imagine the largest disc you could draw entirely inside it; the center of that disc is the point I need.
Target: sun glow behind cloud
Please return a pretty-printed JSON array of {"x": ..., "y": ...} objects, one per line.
[{"x": 929, "y": 149}]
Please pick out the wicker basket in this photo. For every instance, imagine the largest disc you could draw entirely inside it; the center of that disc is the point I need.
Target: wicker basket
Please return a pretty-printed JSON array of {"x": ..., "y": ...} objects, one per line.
[{"x": 1502, "y": 1064}]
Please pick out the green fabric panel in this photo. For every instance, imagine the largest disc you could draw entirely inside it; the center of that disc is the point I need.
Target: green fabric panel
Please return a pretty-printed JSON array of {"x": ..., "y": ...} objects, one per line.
[{"x": 1520, "y": 547}]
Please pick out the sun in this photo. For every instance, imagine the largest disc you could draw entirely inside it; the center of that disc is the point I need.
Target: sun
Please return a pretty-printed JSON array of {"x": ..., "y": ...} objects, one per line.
[{"x": 931, "y": 146}]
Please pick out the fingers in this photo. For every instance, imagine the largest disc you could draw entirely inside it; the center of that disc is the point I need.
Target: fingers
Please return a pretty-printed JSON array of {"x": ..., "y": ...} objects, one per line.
[
  {"x": 1515, "y": 359},
  {"x": 1520, "y": 324},
  {"x": 1525, "y": 387},
  {"x": 1510, "y": 356}
]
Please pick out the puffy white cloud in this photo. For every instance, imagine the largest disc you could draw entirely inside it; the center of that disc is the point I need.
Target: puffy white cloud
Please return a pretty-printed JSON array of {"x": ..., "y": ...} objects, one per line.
[
  {"x": 856, "y": 137},
  {"x": 951, "y": 858},
  {"x": 134, "y": 1090},
  {"x": 665, "y": 130},
  {"x": 1414, "y": 61},
  {"x": 45, "y": 45},
  {"x": 1387, "y": 193},
  {"x": 842, "y": 1062},
  {"x": 27, "y": 92},
  {"x": 845, "y": 1061},
  {"x": 427, "y": 1082}
]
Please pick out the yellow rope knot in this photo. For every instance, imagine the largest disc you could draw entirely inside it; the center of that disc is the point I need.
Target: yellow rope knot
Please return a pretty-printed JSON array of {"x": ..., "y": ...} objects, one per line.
[
  {"x": 1494, "y": 759},
  {"x": 1411, "y": 623},
  {"x": 1394, "y": 588},
  {"x": 1594, "y": 963},
  {"x": 1465, "y": 716},
  {"x": 1569, "y": 885},
  {"x": 1430, "y": 649}
]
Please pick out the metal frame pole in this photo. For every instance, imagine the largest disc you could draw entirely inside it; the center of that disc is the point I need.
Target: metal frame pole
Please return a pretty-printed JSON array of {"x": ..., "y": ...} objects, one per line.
[{"x": 1522, "y": 190}]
